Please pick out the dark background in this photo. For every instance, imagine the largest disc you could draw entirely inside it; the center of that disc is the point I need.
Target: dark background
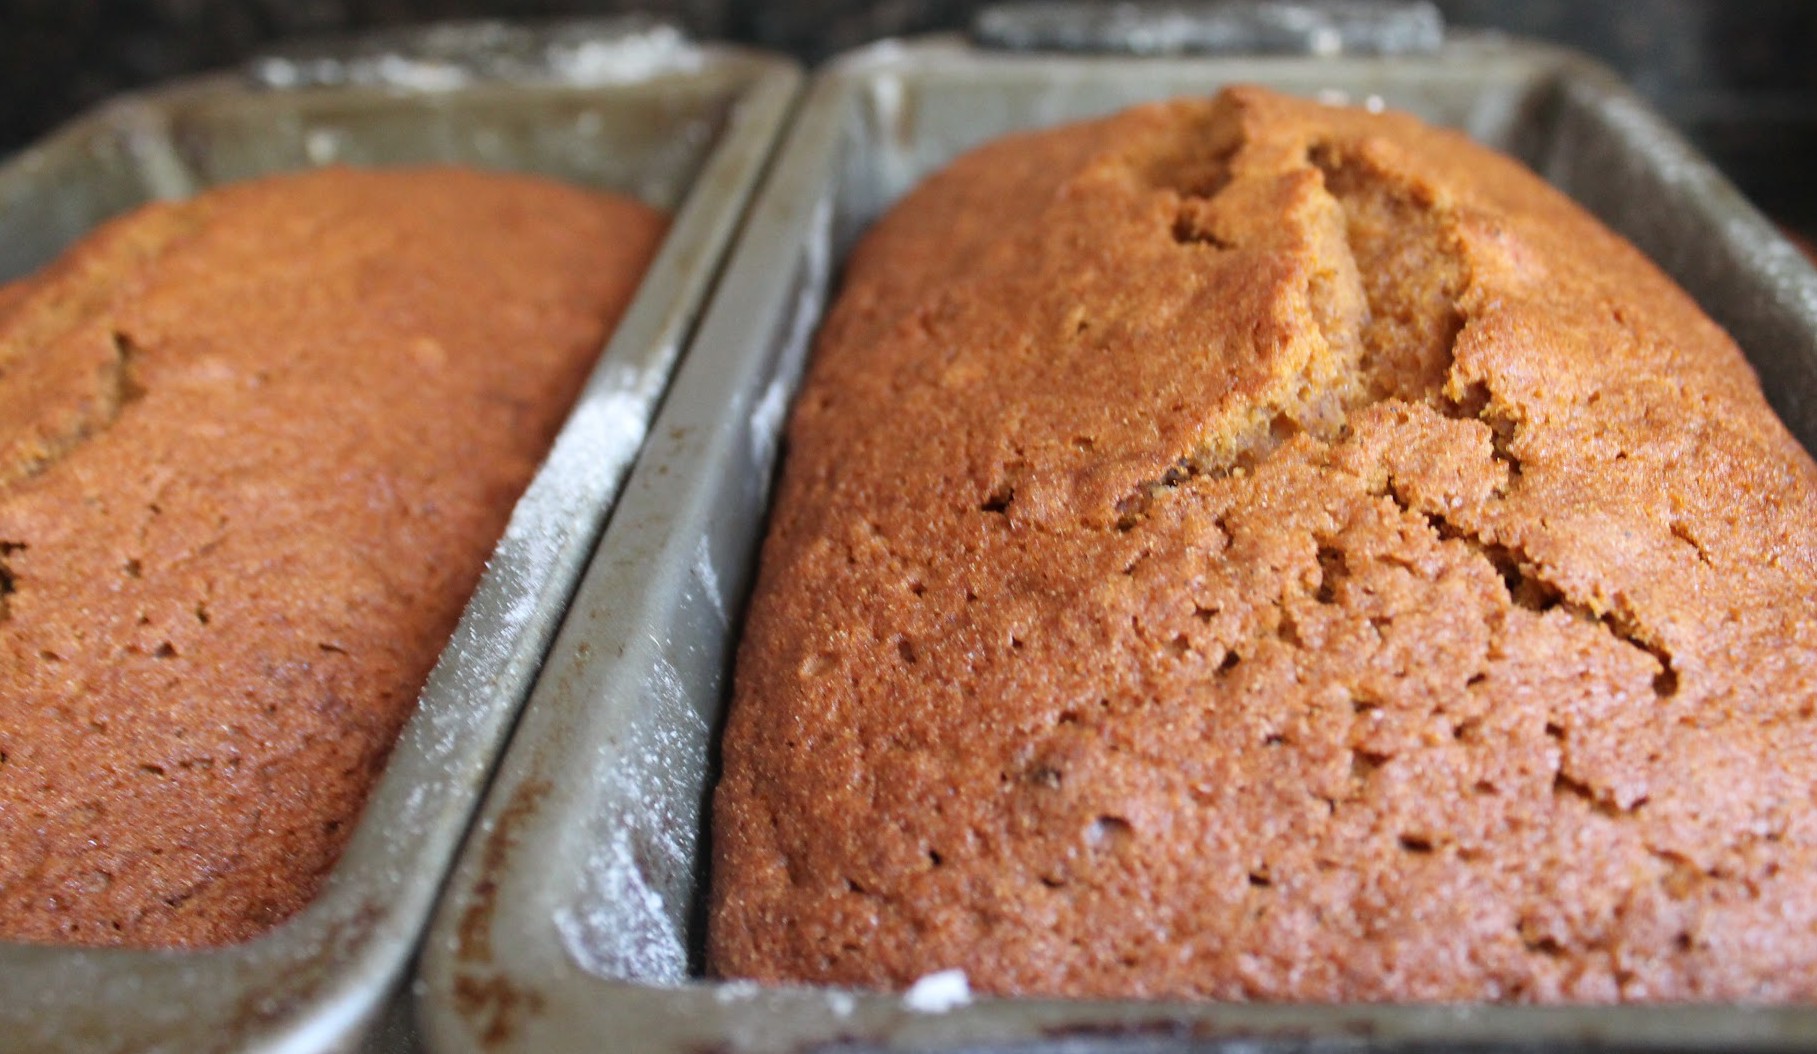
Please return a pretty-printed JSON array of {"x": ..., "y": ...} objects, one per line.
[{"x": 1739, "y": 76}]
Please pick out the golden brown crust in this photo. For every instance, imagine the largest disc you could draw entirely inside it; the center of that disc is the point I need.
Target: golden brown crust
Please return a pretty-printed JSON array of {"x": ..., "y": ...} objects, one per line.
[
  {"x": 254, "y": 450},
  {"x": 1254, "y": 549}
]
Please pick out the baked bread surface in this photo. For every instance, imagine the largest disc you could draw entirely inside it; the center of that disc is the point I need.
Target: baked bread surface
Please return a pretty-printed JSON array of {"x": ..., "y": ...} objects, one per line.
[
  {"x": 254, "y": 451},
  {"x": 1252, "y": 549}
]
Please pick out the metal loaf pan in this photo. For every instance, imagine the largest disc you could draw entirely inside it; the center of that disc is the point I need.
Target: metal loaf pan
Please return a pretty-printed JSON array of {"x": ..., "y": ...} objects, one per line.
[
  {"x": 626, "y": 105},
  {"x": 574, "y": 917}
]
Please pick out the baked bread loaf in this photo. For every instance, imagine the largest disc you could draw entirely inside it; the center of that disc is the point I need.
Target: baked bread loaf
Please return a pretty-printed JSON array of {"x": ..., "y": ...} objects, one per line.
[
  {"x": 1252, "y": 549},
  {"x": 254, "y": 451}
]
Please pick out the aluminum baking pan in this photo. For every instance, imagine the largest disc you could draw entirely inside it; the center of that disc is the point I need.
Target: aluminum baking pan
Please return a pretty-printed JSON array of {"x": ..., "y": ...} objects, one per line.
[
  {"x": 574, "y": 917},
  {"x": 626, "y": 105}
]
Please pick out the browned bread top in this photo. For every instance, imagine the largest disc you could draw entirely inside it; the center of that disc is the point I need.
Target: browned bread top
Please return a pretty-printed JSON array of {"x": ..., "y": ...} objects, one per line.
[
  {"x": 254, "y": 451},
  {"x": 1256, "y": 549}
]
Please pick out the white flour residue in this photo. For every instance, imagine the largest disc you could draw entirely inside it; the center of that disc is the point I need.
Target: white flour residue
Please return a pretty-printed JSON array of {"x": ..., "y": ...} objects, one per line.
[
  {"x": 577, "y": 480},
  {"x": 400, "y": 71},
  {"x": 623, "y": 930},
  {"x": 487, "y": 666},
  {"x": 677, "y": 717},
  {"x": 736, "y": 992},
  {"x": 892, "y": 135},
  {"x": 886, "y": 103},
  {"x": 709, "y": 578},
  {"x": 766, "y": 425},
  {"x": 322, "y": 145},
  {"x": 937, "y": 993},
  {"x": 455, "y": 56},
  {"x": 278, "y": 72},
  {"x": 816, "y": 270},
  {"x": 879, "y": 53},
  {"x": 589, "y": 457},
  {"x": 621, "y": 60},
  {"x": 604, "y": 434},
  {"x": 626, "y": 921}
]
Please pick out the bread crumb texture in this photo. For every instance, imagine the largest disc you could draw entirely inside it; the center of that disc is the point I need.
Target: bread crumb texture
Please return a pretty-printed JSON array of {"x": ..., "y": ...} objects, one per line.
[
  {"x": 254, "y": 450},
  {"x": 1251, "y": 549}
]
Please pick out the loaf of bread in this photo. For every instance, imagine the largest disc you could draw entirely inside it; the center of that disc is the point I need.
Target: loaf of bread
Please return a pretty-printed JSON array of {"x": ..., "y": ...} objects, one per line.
[
  {"x": 1253, "y": 549},
  {"x": 254, "y": 451}
]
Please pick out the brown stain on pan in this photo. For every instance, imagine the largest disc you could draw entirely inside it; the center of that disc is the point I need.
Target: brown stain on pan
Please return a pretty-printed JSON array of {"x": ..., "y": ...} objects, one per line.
[
  {"x": 474, "y": 934},
  {"x": 488, "y": 1000},
  {"x": 492, "y": 1004},
  {"x": 260, "y": 1007}
]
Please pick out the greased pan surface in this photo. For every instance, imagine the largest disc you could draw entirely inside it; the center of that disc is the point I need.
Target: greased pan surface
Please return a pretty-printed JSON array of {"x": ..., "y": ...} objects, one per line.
[
  {"x": 625, "y": 105},
  {"x": 574, "y": 916}
]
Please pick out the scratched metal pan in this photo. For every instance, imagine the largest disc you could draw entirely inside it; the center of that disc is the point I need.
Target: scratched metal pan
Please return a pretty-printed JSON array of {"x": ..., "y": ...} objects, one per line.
[
  {"x": 626, "y": 105},
  {"x": 573, "y": 920}
]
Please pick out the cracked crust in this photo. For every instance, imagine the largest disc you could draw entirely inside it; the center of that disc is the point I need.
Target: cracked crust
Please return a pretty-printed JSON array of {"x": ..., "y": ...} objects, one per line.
[
  {"x": 1253, "y": 549},
  {"x": 254, "y": 449}
]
